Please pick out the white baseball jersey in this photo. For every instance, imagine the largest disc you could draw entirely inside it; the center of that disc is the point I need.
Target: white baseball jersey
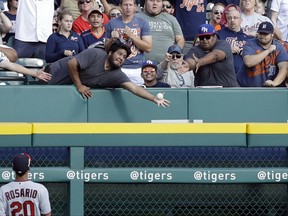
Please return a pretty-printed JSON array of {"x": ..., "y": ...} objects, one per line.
[{"x": 24, "y": 198}]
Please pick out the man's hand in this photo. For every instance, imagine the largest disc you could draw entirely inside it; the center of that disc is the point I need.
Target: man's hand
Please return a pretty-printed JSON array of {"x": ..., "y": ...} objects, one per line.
[
  {"x": 272, "y": 48},
  {"x": 162, "y": 102},
  {"x": 84, "y": 91},
  {"x": 197, "y": 60},
  {"x": 269, "y": 83},
  {"x": 41, "y": 75}
]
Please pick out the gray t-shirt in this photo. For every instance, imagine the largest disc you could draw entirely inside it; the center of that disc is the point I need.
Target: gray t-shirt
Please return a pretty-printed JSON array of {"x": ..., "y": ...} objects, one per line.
[
  {"x": 220, "y": 73},
  {"x": 91, "y": 71},
  {"x": 164, "y": 28}
]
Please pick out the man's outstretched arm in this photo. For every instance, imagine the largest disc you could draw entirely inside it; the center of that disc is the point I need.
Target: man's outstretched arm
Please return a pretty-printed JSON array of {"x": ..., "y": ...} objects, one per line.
[{"x": 141, "y": 92}]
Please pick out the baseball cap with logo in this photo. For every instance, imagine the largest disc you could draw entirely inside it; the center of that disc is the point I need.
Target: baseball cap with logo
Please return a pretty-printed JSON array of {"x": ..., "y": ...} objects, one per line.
[
  {"x": 266, "y": 27},
  {"x": 206, "y": 29},
  {"x": 149, "y": 63},
  {"x": 21, "y": 163},
  {"x": 95, "y": 11},
  {"x": 175, "y": 48}
]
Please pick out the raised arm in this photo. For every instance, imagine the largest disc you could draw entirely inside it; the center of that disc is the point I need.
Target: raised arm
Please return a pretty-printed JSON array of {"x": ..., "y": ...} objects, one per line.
[{"x": 252, "y": 60}]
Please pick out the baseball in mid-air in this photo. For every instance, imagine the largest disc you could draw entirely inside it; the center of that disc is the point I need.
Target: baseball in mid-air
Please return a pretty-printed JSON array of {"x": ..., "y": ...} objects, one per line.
[{"x": 160, "y": 96}]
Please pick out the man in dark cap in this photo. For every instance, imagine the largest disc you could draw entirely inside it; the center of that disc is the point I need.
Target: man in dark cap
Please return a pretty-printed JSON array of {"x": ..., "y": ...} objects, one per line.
[
  {"x": 211, "y": 60},
  {"x": 265, "y": 60},
  {"x": 149, "y": 75},
  {"x": 23, "y": 196}
]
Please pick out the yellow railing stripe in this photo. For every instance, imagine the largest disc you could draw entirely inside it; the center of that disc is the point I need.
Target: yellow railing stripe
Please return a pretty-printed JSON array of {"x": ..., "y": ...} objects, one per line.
[
  {"x": 15, "y": 128},
  {"x": 267, "y": 128},
  {"x": 137, "y": 128}
]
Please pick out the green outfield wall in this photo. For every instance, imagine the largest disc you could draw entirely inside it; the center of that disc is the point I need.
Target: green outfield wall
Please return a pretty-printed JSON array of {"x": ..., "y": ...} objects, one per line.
[{"x": 103, "y": 156}]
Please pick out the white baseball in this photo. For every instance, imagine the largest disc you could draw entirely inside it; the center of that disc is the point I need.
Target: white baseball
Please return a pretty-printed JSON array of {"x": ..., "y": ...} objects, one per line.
[{"x": 159, "y": 96}]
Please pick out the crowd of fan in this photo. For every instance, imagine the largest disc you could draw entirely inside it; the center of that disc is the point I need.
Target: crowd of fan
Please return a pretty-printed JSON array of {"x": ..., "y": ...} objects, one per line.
[{"x": 236, "y": 44}]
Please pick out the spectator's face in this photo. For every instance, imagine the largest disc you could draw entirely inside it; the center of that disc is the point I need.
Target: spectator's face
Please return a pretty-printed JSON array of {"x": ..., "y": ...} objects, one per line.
[
  {"x": 264, "y": 38},
  {"x": 85, "y": 5},
  {"x": 96, "y": 20},
  {"x": 207, "y": 42},
  {"x": 116, "y": 59},
  {"x": 176, "y": 61},
  {"x": 234, "y": 20},
  {"x": 66, "y": 23},
  {"x": 114, "y": 13},
  {"x": 153, "y": 7},
  {"x": 260, "y": 8},
  {"x": 14, "y": 3},
  {"x": 128, "y": 7},
  {"x": 149, "y": 74},
  {"x": 217, "y": 12},
  {"x": 167, "y": 7},
  {"x": 248, "y": 5}
]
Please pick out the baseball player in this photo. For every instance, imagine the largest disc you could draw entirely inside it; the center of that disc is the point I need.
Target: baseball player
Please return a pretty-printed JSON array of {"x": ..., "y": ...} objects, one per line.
[{"x": 22, "y": 196}]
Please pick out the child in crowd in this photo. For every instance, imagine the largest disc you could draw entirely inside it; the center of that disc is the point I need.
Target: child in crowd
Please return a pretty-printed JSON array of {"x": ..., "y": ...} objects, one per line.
[{"x": 97, "y": 31}]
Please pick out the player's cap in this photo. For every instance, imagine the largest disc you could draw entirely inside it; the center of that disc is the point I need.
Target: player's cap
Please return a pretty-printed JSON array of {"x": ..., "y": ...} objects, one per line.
[
  {"x": 206, "y": 29},
  {"x": 175, "y": 48},
  {"x": 149, "y": 63},
  {"x": 266, "y": 27},
  {"x": 95, "y": 11},
  {"x": 21, "y": 163}
]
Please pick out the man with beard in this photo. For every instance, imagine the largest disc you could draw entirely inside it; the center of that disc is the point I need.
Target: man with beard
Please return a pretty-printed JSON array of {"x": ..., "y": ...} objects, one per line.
[
  {"x": 265, "y": 60},
  {"x": 94, "y": 68},
  {"x": 174, "y": 70},
  {"x": 211, "y": 60},
  {"x": 164, "y": 27}
]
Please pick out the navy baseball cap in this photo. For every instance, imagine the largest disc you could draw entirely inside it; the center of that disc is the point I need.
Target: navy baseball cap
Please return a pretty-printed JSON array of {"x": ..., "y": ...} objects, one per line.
[
  {"x": 174, "y": 48},
  {"x": 266, "y": 27},
  {"x": 206, "y": 29},
  {"x": 21, "y": 163},
  {"x": 149, "y": 63}
]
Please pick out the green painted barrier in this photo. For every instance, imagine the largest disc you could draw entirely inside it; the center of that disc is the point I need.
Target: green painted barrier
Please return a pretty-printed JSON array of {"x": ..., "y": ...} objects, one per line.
[
  {"x": 15, "y": 135},
  {"x": 239, "y": 105},
  {"x": 267, "y": 134},
  {"x": 153, "y": 175},
  {"x": 119, "y": 105}
]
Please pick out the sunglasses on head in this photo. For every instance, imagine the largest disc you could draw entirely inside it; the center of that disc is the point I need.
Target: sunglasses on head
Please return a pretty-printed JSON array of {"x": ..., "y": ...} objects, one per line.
[
  {"x": 83, "y": 1},
  {"x": 218, "y": 12},
  {"x": 167, "y": 6},
  {"x": 113, "y": 15},
  {"x": 176, "y": 56},
  {"x": 207, "y": 37}
]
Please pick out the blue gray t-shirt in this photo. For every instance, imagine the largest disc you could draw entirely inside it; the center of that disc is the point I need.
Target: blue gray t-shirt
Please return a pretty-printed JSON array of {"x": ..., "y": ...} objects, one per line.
[{"x": 140, "y": 28}]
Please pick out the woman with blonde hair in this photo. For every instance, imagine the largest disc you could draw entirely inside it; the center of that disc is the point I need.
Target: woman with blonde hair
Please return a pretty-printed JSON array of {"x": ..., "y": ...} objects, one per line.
[{"x": 81, "y": 23}]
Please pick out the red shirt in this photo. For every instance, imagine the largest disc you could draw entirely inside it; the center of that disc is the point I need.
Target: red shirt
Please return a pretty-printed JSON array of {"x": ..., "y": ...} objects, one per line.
[{"x": 80, "y": 25}]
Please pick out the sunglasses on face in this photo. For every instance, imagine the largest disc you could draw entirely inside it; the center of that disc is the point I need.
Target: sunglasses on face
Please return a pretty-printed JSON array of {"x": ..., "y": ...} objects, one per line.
[
  {"x": 176, "y": 56},
  {"x": 207, "y": 37},
  {"x": 113, "y": 15},
  {"x": 167, "y": 6},
  {"x": 218, "y": 12},
  {"x": 83, "y": 1}
]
